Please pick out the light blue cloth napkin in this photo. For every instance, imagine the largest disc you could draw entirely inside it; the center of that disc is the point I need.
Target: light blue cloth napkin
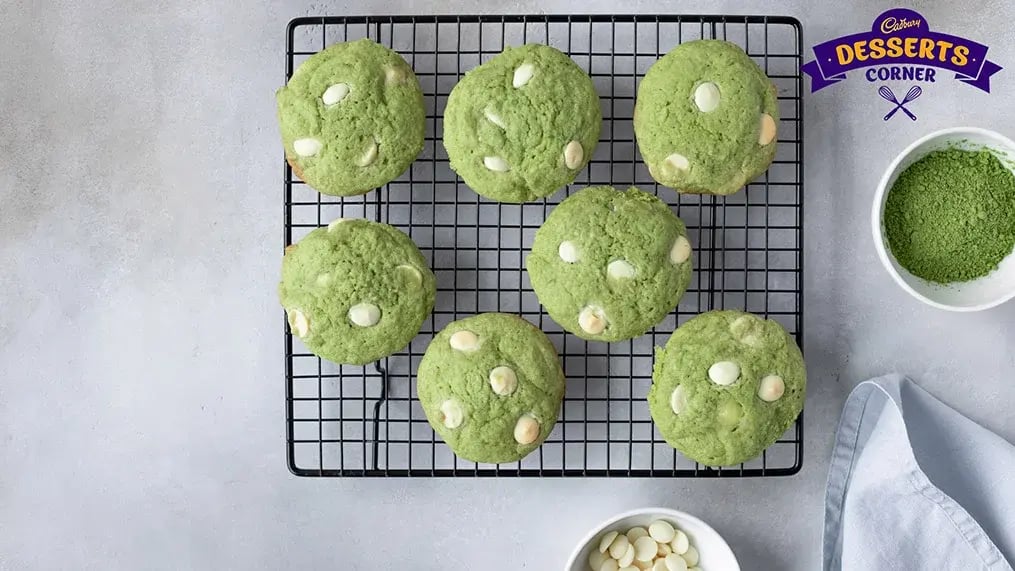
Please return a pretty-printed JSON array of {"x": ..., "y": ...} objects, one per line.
[{"x": 914, "y": 485}]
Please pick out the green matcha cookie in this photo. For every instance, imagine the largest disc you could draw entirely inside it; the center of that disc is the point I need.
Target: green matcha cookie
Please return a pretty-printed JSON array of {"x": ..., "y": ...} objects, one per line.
[
  {"x": 491, "y": 385},
  {"x": 727, "y": 386},
  {"x": 608, "y": 265},
  {"x": 351, "y": 117},
  {"x": 522, "y": 125},
  {"x": 356, "y": 291},
  {"x": 705, "y": 118}
]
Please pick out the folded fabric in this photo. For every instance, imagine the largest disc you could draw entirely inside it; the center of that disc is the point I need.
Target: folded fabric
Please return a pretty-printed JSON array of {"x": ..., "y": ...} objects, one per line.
[{"x": 913, "y": 484}]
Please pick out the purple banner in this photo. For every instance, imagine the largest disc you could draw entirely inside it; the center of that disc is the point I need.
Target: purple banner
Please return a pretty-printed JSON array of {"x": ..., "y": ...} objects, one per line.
[{"x": 900, "y": 37}]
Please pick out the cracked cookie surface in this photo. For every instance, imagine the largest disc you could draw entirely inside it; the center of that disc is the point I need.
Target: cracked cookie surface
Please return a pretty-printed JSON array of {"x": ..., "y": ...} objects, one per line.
[
  {"x": 727, "y": 385},
  {"x": 523, "y": 124},
  {"x": 705, "y": 118},
  {"x": 608, "y": 265},
  {"x": 351, "y": 118},
  {"x": 491, "y": 386}
]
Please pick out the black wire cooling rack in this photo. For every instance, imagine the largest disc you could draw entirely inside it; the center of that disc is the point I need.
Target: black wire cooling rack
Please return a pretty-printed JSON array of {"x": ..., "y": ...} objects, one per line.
[{"x": 366, "y": 421}]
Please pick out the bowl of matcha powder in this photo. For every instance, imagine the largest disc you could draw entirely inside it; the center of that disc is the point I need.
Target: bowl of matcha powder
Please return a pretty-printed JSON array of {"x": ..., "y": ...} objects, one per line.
[{"x": 944, "y": 219}]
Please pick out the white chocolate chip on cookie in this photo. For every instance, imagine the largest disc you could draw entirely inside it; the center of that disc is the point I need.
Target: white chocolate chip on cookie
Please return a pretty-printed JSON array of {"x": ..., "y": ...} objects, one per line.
[
  {"x": 568, "y": 251},
  {"x": 573, "y": 155},
  {"x": 706, "y": 97},
  {"x": 503, "y": 380},
  {"x": 393, "y": 75},
  {"x": 365, "y": 314},
  {"x": 661, "y": 531},
  {"x": 676, "y": 163},
  {"x": 465, "y": 341},
  {"x": 523, "y": 74},
  {"x": 681, "y": 250},
  {"x": 452, "y": 414},
  {"x": 298, "y": 322},
  {"x": 323, "y": 280},
  {"x": 678, "y": 400},
  {"x": 724, "y": 373},
  {"x": 307, "y": 147},
  {"x": 334, "y": 223},
  {"x": 494, "y": 118},
  {"x": 527, "y": 431},
  {"x": 620, "y": 269},
  {"x": 496, "y": 164},
  {"x": 335, "y": 94},
  {"x": 592, "y": 320},
  {"x": 767, "y": 132},
  {"x": 369, "y": 155},
  {"x": 771, "y": 388},
  {"x": 411, "y": 272}
]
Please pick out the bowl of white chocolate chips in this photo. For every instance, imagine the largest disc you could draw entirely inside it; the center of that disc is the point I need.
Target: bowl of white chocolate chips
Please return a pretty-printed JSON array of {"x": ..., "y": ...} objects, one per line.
[{"x": 653, "y": 539}]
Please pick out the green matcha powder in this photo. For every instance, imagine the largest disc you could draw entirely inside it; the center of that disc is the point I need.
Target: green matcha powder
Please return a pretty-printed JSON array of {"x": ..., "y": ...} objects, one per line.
[{"x": 950, "y": 217}]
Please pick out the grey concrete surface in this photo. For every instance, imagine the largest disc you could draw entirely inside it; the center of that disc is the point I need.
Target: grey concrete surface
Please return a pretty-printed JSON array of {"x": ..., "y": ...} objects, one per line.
[{"x": 141, "y": 409}]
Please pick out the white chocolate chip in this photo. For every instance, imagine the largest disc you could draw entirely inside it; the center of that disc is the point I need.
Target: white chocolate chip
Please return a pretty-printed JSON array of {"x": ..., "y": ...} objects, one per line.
[
  {"x": 678, "y": 400},
  {"x": 767, "y": 134},
  {"x": 627, "y": 558},
  {"x": 629, "y": 568},
  {"x": 411, "y": 273},
  {"x": 527, "y": 431},
  {"x": 523, "y": 74},
  {"x": 660, "y": 565},
  {"x": 334, "y": 224},
  {"x": 642, "y": 565},
  {"x": 307, "y": 147},
  {"x": 323, "y": 280},
  {"x": 724, "y": 373},
  {"x": 680, "y": 542},
  {"x": 573, "y": 155},
  {"x": 335, "y": 94},
  {"x": 503, "y": 380},
  {"x": 607, "y": 540},
  {"x": 771, "y": 388},
  {"x": 635, "y": 532},
  {"x": 496, "y": 164},
  {"x": 393, "y": 75},
  {"x": 663, "y": 550},
  {"x": 452, "y": 414},
  {"x": 592, "y": 320},
  {"x": 596, "y": 560},
  {"x": 675, "y": 562},
  {"x": 645, "y": 548},
  {"x": 568, "y": 251},
  {"x": 369, "y": 155},
  {"x": 620, "y": 269},
  {"x": 706, "y": 97},
  {"x": 494, "y": 118},
  {"x": 465, "y": 341},
  {"x": 619, "y": 546},
  {"x": 681, "y": 250},
  {"x": 298, "y": 322},
  {"x": 676, "y": 163},
  {"x": 365, "y": 314},
  {"x": 691, "y": 556},
  {"x": 609, "y": 565},
  {"x": 747, "y": 329},
  {"x": 661, "y": 531}
]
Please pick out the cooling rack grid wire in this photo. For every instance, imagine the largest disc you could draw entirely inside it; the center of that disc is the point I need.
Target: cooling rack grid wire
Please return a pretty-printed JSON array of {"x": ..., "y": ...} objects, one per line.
[{"x": 366, "y": 421}]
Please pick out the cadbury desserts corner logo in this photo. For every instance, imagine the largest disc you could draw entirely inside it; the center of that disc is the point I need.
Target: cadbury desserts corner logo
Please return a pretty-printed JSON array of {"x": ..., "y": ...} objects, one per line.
[{"x": 900, "y": 47}]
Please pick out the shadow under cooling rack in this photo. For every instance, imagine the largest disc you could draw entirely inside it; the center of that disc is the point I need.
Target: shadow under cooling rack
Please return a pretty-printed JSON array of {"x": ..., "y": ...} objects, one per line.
[{"x": 367, "y": 421}]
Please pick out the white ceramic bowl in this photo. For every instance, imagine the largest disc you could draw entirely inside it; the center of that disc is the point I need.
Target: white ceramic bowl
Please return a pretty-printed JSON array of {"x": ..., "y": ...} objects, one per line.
[
  {"x": 976, "y": 295},
  {"x": 715, "y": 553}
]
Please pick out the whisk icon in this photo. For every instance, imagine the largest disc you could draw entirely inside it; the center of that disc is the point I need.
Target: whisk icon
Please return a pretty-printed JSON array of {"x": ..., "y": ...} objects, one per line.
[{"x": 886, "y": 92}]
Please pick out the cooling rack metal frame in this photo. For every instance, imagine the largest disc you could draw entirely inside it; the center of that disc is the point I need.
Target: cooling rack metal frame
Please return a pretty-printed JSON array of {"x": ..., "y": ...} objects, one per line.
[{"x": 366, "y": 421}]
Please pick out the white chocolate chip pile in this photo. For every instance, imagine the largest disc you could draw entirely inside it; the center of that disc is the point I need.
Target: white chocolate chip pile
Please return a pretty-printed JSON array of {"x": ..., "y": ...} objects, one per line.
[{"x": 660, "y": 547}]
